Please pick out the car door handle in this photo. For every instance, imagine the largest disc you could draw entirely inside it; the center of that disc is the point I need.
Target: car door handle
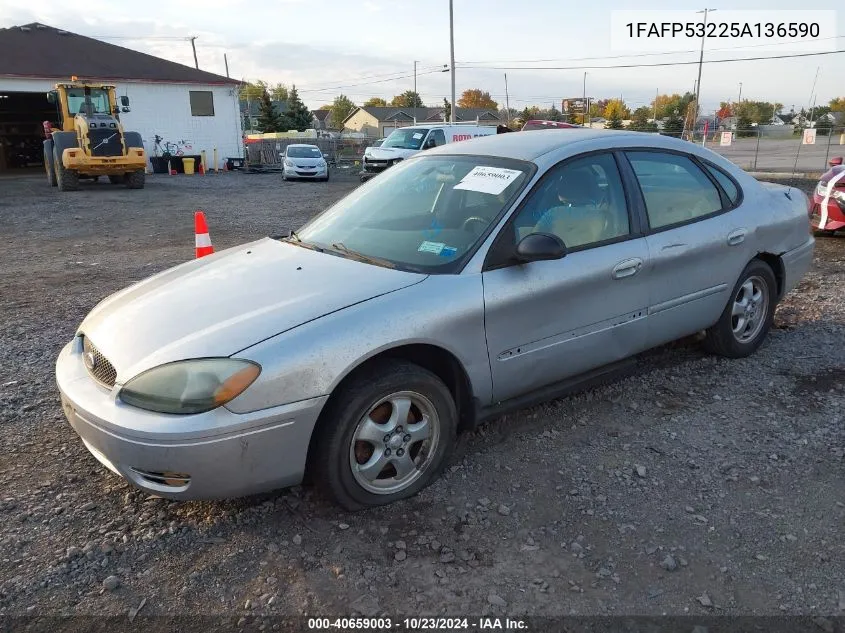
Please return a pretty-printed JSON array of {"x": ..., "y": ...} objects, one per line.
[
  {"x": 627, "y": 268},
  {"x": 736, "y": 237}
]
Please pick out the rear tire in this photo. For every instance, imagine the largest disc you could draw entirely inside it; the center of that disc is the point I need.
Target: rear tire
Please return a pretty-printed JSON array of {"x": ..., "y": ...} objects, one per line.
[
  {"x": 49, "y": 165},
  {"x": 135, "y": 179},
  {"x": 66, "y": 179},
  {"x": 117, "y": 180},
  {"x": 747, "y": 318},
  {"x": 364, "y": 424}
]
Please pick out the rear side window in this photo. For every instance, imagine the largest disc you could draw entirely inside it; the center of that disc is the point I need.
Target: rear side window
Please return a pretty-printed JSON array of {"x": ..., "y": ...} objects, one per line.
[
  {"x": 439, "y": 137},
  {"x": 674, "y": 188},
  {"x": 725, "y": 183}
]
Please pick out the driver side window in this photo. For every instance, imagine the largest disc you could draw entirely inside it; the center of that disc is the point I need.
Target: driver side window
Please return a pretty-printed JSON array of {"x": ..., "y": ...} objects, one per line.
[{"x": 580, "y": 201}]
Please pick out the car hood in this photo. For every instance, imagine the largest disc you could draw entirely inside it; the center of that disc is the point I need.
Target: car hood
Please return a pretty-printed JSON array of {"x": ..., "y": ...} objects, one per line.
[
  {"x": 223, "y": 303},
  {"x": 389, "y": 153}
]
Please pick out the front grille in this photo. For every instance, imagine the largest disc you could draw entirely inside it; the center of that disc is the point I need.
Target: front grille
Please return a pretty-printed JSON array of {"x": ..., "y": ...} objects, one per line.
[
  {"x": 98, "y": 365},
  {"x": 105, "y": 142}
]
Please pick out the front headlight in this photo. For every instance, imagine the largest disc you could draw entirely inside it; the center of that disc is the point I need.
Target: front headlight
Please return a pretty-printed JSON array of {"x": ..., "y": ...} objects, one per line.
[
  {"x": 190, "y": 386},
  {"x": 838, "y": 194},
  {"x": 288, "y": 163}
]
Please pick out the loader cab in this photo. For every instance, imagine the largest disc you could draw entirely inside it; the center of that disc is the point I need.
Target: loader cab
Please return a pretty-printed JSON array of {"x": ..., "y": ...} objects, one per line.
[{"x": 85, "y": 99}]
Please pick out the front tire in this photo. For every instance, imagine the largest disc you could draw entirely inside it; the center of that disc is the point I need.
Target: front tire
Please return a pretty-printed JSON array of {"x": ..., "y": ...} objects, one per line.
[
  {"x": 49, "y": 166},
  {"x": 66, "y": 179},
  {"x": 747, "y": 318},
  {"x": 135, "y": 179},
  {"x": 387, "y": 435}
]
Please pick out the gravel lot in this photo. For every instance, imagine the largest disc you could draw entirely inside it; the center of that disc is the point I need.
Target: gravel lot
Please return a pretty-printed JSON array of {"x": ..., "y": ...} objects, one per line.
[{"x": 697, "y": 485}]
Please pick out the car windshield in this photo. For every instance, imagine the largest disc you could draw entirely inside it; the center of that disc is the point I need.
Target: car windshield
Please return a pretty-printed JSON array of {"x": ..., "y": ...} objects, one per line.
[
  {"x": 408, "y": 138},
  {"x": 304, "y": 152},
  {"x": 424, "y": 215},
  {"x": 96, "y": 101},
  {"x": 544, "y": 125}
]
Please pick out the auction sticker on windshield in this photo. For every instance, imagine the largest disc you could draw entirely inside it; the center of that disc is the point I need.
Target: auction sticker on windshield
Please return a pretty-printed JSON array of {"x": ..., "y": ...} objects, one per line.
[
  {"x": 431, "y": 247},
  {"x": 417, "y": 135},
  {"x": 492, "y": 180}
]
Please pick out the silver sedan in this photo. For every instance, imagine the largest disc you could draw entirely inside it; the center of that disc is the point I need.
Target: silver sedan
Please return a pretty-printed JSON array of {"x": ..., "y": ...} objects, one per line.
[{"x": 475, "y": 277}]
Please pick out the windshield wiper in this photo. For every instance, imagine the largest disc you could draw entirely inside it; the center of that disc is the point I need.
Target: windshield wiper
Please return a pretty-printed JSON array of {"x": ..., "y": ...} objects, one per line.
[{"x": 340, "y": 247}]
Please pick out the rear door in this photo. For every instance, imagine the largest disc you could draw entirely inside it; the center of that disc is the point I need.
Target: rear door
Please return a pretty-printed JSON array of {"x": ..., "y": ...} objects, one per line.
[
  {"x": 696, "y": 241},
  {"x": 548, "y": 320}
]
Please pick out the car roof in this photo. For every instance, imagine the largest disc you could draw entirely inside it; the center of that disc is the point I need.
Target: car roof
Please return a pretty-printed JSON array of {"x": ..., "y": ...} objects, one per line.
[
  {"x": 531, "y": 145},
  {"x": 302, "y": 145}
]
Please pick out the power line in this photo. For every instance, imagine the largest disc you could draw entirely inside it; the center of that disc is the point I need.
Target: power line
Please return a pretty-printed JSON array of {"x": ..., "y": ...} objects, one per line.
[
  {"x": 658, "y": 64},
  {"x": 632, "y": 55},
  {"x": 367, "y": 83},
  {"x": 400, "y": 75}
]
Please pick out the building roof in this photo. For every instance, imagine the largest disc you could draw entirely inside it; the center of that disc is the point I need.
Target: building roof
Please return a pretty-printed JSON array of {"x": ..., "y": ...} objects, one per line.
[
  {"x": 321, "y": 115},
  {"x": 422, "y": 115},
  {"x": 38, "y": 50}
]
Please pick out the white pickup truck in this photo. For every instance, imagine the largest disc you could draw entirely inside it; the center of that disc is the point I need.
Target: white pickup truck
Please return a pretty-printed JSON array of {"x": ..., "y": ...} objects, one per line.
[{"x": 407, "y": 141}]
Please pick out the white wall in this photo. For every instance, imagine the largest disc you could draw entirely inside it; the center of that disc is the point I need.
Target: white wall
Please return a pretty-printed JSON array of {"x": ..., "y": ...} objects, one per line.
[{"x": 165, "y": 109}]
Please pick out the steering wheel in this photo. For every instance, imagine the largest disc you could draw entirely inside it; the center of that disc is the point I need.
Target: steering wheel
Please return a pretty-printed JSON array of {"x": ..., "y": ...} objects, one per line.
[{"x": 474, "y": 219}]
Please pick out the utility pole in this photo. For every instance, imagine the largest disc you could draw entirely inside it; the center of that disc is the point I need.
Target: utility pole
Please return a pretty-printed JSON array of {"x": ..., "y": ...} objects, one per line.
[
  {"x": 586, "y": 107},
  {"x": 452, "y": 57},
  {"x": 226, "y": 61},
  {"x": 739, "y": 98},
  {"x": 656, "y": 94},
  {"x": 507, "y": 101},
  {"x": 700, "y": 64},
  {"x": 194, "y": 46},
  {"x": 415, "y": 76}
]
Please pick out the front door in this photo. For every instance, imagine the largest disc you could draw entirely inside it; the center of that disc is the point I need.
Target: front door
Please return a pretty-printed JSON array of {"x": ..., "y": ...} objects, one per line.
[{"x": 548, "y": 320}]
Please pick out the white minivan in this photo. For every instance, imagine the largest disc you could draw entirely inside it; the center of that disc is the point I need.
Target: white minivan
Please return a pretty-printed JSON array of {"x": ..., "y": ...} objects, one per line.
[{"x": 407, "y": 141}]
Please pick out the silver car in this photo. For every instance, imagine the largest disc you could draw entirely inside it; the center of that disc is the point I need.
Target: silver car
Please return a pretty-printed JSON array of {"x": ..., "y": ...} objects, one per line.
[
  {"x": 305, "y": 162},
  {"x": 474, "y": 277}
]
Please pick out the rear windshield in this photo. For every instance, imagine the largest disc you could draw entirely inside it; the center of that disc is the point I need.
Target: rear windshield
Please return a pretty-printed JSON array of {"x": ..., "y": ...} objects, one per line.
[
  {"x": 304, "y": 152},
  {"x": 406, "y": 138}
]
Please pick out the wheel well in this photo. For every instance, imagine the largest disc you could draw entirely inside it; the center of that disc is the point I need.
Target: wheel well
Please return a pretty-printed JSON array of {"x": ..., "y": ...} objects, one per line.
[
  {"x": 437, "y": 360},
  {"x": 776, "y": 264}
]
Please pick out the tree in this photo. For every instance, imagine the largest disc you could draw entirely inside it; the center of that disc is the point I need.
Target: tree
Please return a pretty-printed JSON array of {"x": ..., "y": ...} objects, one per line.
[
  {"x": 269, "y": 119},
  {"x": 616, "y": 108},
  {"x": 614, "y": 122},
  {"x": 823, "y": 126},
  {"x": 725, "y": 110},
  {"x": 279, "y": 92},
  {"x": 552, "y": 114},
  {"x": 640, "y": 120},
  {"x": 837, "y": 104},
  {"x": 673, "y": 125},
  {"x": 665, "y": 104},
  {"x": 341, "y": 108},
  {"x": 744, "y": 126},
  {"x": 447, "y": 110},
  {"x": 476, "y": 98},
  {"x": 253, "y": 91},
  {"x": 298, "y": 116},
  {"x": 408, "y": 99},
  {"x": 375, "y": 102}
]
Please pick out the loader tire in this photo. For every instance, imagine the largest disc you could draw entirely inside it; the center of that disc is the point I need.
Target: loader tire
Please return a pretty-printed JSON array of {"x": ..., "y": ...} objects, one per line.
[
  {"x": 135, "y": 179},
  {"x": 66, "y": 179}
]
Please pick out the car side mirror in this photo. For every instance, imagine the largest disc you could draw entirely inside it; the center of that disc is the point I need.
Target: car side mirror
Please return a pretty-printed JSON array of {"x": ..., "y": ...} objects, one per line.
[
  {"x": 540, "y": 246},
  {"x": 429, "y": 143},
  {"x": 835, "y": 162}
]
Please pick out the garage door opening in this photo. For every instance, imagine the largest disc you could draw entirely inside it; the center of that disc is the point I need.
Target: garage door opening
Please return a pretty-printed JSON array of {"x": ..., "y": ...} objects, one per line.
[{"x": 21, "y": 131}]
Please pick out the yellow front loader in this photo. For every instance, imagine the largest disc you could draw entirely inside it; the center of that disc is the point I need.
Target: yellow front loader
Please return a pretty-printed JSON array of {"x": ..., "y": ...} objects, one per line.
[{"x": 91, "y": 141}]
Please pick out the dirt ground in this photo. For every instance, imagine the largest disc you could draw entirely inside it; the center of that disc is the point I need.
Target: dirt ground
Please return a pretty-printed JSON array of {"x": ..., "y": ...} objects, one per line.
[{"x": 695, "y": 486}]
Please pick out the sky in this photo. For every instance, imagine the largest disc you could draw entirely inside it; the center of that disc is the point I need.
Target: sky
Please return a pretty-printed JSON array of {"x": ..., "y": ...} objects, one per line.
[{"x": 365, "y": 48}]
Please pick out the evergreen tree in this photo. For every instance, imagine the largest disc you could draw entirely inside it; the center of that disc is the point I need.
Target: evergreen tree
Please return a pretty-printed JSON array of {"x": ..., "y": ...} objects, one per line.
[
  {"x": 298, "y": 116},
  {"x": 269, "y": 119},
  {"x": 447, "y": 110},
  {"x": 673, "y": 125},
  {"x": 614, "y": 122}
]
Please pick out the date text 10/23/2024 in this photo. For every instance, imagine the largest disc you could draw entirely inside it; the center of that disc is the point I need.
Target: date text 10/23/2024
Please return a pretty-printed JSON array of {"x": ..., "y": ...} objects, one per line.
[{"x": 418, "y": 624}]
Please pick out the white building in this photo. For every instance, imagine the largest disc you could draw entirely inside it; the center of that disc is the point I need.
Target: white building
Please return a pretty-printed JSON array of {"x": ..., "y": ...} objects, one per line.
[{"x": 182, "y": 105}]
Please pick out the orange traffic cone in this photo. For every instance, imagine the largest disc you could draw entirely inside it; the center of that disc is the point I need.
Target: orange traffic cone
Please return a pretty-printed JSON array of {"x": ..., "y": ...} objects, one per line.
[{"x": 202, "y": 239}]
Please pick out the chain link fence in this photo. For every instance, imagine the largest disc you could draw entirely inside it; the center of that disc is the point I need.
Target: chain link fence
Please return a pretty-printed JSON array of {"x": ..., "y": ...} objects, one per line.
[
  {"x": 771, "y": 150},
  {"x": 266, "y": 154}
]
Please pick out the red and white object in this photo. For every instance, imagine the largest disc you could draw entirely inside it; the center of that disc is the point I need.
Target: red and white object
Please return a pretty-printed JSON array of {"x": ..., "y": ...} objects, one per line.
[{"x": 202, "y": 240}]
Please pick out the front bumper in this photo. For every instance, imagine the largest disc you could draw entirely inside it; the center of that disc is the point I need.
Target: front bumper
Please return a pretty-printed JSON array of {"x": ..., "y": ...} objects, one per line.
[
  {"x": 309, "y": 174},
  {"x": 376, "y": 166},
  {"x": 213, "y": 455},
  {"x": 835, "y": 214},
  {"x": 796, "y": 263},
  {"x": 74, "y": 158}
]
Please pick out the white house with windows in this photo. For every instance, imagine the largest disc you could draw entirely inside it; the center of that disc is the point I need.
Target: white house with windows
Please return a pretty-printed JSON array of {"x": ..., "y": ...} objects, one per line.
[{"x": 182, "y": 105}]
